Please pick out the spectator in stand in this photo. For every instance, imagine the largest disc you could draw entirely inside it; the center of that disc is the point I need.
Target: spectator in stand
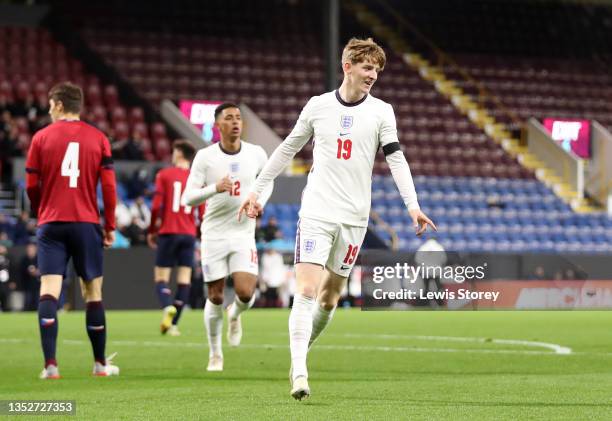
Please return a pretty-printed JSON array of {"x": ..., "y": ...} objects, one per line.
[
  {"x": 5, "y": 105},
  {"x": 4, "y": 223},
  {"x": 5, "y": 240},
  {"x": 6, "y": 285},
  {"x": 260, "y": 234},
  {"x": 196, "y": 293},
  {"x": 24, "y": 230},
  {"x": 30, "y": 278},
  {"x": 139, "y": 184},
  {"x": 132, "y": 150},
  {"x": 123, "y": 216},
  {"x": 273, "y": 275},
  {"x": 141, "y": 215},
  {"x": 538, "y": 273},
  {"x": 135, "y": 234},
  {"x": 272, "y": 231},
  {"x": 8, "y": 145}
]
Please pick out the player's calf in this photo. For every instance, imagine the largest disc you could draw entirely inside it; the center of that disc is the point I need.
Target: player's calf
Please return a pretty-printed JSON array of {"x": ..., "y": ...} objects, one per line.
[
  {"x": 181, "y": 297},
  {"x": 48, "y": 324},
  {"x": 95, "y": 320}
]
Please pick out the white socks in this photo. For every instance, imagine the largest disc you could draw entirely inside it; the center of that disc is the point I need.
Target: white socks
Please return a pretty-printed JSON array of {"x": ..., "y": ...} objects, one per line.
[
  {"x": 320, "y": 319},
  {"x": 238, "y": 307},
  {"x": 213, "y": 320},
  {"x": 300, "y": 328}
]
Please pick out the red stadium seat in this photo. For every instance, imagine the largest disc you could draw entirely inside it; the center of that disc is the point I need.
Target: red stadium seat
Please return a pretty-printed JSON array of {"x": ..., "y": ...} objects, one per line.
[
  {"x": 158, "y": 131},
  {"x": 111, "y": 96},
  {"x": 121, "y": 130},
  {"x": 118, "y": 113}
]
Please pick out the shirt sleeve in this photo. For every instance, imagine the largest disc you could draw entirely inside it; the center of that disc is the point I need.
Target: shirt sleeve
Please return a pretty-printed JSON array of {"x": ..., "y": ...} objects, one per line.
[
  {"x": 284, "y": 153},
  {"x": 196, "y": 192},
  {"x": 267, "y": 191},
  {"x": 33, "y": 175},
  {"x": 400, "y": 170},
  {"x": 156, "y": 206},
  {"x": 388, "y": 127},
  {"x": 32, "y": 160},
  {"x": 107, "y": 155},
  {"x": 109, "y": 185}
]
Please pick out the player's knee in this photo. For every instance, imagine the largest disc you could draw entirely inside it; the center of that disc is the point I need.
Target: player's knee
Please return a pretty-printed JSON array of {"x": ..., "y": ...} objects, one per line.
[
  {"x": 307, "y": 290},
  {"x": 215, "y": 294},
  {"x": 328, "y": 300},
  {"x": 92, "y": 290},
  {"x": 245, "y": 297},
  {"x": 92, "y": 295},
  {"x": 216, "y": 298}
]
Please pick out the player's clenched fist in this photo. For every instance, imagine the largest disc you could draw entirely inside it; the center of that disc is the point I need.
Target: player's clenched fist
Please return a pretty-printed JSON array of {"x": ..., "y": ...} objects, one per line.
[
  {"x": 225, "y": 184},
  {"x": 251, "y": 207}
]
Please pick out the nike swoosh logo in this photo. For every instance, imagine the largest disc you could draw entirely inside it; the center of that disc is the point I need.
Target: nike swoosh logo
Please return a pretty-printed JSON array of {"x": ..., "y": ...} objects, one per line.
[
  {"x": 345, "y": 134},
  {"x": 344, "y": 267}
]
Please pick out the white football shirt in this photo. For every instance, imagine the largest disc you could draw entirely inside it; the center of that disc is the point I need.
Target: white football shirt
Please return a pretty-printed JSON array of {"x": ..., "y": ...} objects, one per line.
[
  {"x": 346, "y": 138},
  {"x": 209, "y": 166}
]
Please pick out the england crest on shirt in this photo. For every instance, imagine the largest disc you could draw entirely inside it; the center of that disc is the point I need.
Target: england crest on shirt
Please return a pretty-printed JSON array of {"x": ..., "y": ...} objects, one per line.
[{"x": 346, "y": 122}]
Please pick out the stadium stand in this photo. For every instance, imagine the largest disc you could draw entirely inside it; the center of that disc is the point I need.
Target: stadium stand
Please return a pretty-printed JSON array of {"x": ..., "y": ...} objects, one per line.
[
  {"x": 199, "y": 55},
  {"x": 32, "y": 61},
  {"x": 212, "y": 61}
]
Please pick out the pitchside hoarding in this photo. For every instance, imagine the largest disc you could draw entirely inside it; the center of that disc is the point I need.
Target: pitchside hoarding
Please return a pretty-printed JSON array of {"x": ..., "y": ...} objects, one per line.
[
  {"x": 573, "y": 135},
  {"x": 202, "y": 115}
]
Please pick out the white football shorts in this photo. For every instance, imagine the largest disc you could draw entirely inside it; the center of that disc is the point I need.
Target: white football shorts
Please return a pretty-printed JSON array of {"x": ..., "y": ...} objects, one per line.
[
  {"x": 328, "y": 244},
  {"x": 222, "y": 257}
]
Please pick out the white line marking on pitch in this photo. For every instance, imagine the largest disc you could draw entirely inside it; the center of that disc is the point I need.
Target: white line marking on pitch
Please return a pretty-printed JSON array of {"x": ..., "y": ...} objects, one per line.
[
  {"x": 342, "y": 347},
  {"x": 558, "y": 349}
]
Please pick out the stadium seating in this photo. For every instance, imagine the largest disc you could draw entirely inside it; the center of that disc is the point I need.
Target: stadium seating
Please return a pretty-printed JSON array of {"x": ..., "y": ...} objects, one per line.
[
  {"x": 542, "y": 88},
  {"x": 31, "y": 61},
  {"x": 476, "y": 214},
  {"x": 196, "y": 62},
  {"x": 541, "y": 59}
]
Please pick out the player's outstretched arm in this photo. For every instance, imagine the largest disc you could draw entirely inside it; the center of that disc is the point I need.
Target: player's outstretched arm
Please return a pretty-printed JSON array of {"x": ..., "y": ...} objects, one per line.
[
  {"x": 401, "y": 171},
  {"x": 403, "y": 179},
  {"x": 280, "y": 158}
]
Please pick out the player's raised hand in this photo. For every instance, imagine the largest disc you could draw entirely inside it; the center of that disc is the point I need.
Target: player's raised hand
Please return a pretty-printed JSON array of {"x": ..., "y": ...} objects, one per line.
[
  {"x": 420, "y": 221},
  {"x": 152, "y": 240},
  {"x": 250, "y": 207},
  {"x": 225, "y": 184},
  {"x": 109, "y": 239}
]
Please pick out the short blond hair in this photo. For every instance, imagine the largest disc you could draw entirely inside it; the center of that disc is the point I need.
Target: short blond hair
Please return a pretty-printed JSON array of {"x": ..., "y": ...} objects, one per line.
[{"x": 359, "y": 50}]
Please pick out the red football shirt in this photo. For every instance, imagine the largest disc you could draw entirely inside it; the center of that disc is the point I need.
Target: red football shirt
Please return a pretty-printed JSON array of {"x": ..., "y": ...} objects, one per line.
[
  {"x": 175, "y": 218},
  {"x": 68, "y": 157}
]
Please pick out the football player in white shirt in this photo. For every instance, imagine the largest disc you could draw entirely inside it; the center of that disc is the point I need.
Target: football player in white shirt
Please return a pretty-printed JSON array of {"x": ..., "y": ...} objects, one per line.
[
  {"x": 222, "y": 174},
  {"x": 348, "y": 127}
]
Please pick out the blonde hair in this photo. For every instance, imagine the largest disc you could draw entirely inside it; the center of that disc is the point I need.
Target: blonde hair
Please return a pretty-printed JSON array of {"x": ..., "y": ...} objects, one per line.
[{"x": 359, "y": 50}]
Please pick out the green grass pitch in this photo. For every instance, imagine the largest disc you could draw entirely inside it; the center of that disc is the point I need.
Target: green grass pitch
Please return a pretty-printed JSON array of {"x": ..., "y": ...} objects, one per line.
[{"x": 367, "y": 365}]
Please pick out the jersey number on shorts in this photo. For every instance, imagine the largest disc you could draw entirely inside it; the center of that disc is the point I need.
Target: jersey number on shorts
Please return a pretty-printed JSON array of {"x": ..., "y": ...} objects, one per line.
[
  {"x": 235, "y": 191},
  {"x": 254, "y": 258},
  {"x": 351, "y": 254},
  {"x": 176, "y": 198},
  {"x": 70, "y": 164},
  {"x": 344, "y": 148}
]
